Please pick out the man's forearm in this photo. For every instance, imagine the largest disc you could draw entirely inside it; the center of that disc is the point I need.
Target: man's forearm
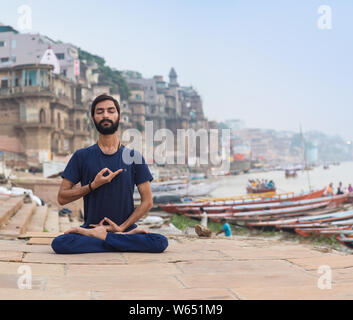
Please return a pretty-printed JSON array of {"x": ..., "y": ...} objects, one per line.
[
  {"x": 67, "y": 196},
  {"x": 139, "y": 212}
]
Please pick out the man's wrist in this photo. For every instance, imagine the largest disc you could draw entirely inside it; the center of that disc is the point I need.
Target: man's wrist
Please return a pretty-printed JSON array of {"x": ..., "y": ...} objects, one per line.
[{"x": 91, "y": 186}]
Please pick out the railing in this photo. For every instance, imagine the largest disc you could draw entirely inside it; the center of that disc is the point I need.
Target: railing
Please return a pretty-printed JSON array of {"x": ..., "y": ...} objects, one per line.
[
  {"x": 64, "y": 100},
  {"x": 24, "y": 90}
]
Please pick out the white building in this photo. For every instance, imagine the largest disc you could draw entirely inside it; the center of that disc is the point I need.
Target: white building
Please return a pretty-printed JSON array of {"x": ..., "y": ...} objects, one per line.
[{"x": 24, "y": 48}]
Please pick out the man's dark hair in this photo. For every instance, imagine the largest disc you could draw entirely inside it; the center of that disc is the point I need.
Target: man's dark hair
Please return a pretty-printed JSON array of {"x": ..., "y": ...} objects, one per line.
[{"x": 101, "y": 98}]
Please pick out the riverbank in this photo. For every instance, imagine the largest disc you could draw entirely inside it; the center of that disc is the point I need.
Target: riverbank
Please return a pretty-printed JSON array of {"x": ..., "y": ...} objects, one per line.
[
  {"x": 190, "y": 268},
  {"x": 186, "y": 225}
]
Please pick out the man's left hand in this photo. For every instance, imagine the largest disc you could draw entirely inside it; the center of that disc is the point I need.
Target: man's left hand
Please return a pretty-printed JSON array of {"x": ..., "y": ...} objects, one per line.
[{"x": 111, "y": 227}]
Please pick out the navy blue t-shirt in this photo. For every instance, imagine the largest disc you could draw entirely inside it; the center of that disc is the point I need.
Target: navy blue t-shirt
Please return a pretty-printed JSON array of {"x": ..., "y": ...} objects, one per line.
[{"x": 113, "y": 199}]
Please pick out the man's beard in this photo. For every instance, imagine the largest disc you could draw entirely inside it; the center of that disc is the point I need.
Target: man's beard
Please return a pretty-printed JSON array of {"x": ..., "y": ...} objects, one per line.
[{"x": 107, "y": 129}]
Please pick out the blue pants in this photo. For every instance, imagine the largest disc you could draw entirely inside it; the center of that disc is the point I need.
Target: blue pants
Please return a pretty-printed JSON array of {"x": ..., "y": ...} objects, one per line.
[{"x": 141, "y": 242}]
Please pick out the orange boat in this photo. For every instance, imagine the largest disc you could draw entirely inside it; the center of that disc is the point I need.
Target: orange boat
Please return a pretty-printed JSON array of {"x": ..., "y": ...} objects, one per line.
[
  {"x": 306, "y": 232},
  {"x": 178, "y": 207}
]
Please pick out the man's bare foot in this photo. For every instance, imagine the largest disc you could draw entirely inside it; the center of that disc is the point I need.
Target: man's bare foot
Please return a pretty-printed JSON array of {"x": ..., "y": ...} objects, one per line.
[
  {"x": 97, "y": 232},
  {"x": 134, "y": 231},
  {"x": 137, "y": 230}
]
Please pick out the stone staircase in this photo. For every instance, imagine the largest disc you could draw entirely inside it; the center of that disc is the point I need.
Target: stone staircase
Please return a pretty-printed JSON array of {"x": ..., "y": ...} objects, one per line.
[{"x": 20, "y": 218}]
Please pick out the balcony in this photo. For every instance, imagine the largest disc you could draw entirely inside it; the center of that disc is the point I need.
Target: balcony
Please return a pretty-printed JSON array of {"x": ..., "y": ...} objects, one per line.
[
  {"x": 81, "y": 107},
  {"x": 26, "y": 91},
  {"x": 63, "y": 100}
]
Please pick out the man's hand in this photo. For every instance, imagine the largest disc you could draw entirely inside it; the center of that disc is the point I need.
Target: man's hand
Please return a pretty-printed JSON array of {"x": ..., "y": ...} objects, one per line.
[
  {"x": 101, "y": 232},
  {"x": 100, "y": 179},
  {"x": 111, "y": 227}
]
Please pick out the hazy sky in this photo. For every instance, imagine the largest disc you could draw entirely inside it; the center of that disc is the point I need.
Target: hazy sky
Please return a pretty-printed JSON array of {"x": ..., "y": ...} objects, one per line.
[{"x": 265, "y": 62}]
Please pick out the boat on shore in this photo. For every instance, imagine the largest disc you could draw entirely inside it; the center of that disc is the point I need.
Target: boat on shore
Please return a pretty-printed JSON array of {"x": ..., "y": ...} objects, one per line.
[
  {"x": 263, "y": 207},
  {"x": 284, "y": 197},
  {"x": 328, "y": 231},
  {"x": 296, "y": 222}
]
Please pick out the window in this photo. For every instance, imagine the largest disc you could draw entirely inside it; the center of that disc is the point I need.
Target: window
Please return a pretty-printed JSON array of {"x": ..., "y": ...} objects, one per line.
[
  {"x": 13, "y": 58},
  {"x": 59, "y": 121},
  {"x": 42, "y": 116},
  {"x": 64, "y": 72},
  {"x": 13, "y": 44},
  {"x": 2, "y": 43},
  {"x": 4, "y": 60},
  {"x": 4, "y": 83},
  {"x": 60, "y": 56}
]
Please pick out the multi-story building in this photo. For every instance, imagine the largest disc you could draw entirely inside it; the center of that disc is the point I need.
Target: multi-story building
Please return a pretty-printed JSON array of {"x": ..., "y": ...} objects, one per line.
[
  {"x": 46, "y": 91},
  {"x": 42, "y": 115},
  {"x": 24, "y": 48},
  {"x": 167, "y": 104}
]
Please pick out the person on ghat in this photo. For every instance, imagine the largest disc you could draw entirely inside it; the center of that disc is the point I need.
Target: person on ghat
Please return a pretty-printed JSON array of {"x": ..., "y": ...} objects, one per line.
[{"x": 108, "y": 173}]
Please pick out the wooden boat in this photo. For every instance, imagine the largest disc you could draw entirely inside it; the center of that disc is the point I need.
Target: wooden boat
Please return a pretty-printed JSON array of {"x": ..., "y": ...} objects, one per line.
[
  {"x": 260, "y": 190},
  {"x": 347, "y": 232},
  {"x": 266, "y": 207},
  {"x": 302, "y": 212},
  {"x": 291, "y": 173},
  {"x": 346, "y": 240},
  {"x": 252, "y": 208},
  {"x": 175, "y": 207},
  {"x": 330, "y": 224},
  {"x": 268, "y": 215},
  {"x": 306, "y": 232},
  {"x": 258, "y": 215},
  {"x": 298, "y": 221},
  {"x": 342, "y": 222},
  {"x": 242, "y": 197}
]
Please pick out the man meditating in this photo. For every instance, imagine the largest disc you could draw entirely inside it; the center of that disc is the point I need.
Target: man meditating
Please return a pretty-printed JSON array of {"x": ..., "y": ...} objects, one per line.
[{"x": 108, "y": 172}]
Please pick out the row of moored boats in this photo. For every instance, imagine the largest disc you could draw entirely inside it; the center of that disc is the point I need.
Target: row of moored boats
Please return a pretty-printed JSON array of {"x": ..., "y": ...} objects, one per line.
[{"x": 307, "y": 214}]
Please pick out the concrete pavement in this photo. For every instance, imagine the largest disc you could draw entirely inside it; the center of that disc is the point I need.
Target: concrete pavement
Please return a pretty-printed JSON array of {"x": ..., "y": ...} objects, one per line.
[{"x": 190, "y": 268}]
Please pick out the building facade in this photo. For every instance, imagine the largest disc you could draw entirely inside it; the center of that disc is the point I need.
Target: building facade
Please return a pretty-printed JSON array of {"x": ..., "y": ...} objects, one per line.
[{"x": 42, "y": 115}]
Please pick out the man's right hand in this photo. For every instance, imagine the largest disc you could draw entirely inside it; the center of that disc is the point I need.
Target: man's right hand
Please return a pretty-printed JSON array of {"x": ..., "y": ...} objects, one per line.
[
  {"x": 111, "y": 227},
  {"x": 100, "y": 179}
]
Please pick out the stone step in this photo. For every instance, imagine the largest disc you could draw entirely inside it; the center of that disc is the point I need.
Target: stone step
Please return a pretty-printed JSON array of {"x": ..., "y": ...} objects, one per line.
[
  {"x": 36, "y": 234},
  {"x": 8, "y": 208},
  {"x": 52, "y": 222},
  {"x": 40, "y": 241},
  {"x": 39, "y": 217},
  {"x": 64, "y": 223},
  {"x": 76, "y": 223},
  {"x": 19, "y": 222}
]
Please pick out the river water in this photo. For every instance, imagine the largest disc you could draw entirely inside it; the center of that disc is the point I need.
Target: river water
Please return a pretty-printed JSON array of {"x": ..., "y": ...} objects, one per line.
[{"x": 317, "y": 178}]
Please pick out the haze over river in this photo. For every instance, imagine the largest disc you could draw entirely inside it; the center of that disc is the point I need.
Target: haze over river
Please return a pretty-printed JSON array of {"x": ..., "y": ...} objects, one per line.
[{"x": 318, "y": 178}]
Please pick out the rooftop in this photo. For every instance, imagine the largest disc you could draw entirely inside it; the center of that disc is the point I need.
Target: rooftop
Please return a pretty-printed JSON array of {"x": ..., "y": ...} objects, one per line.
[{"x": 4, "y": 28}]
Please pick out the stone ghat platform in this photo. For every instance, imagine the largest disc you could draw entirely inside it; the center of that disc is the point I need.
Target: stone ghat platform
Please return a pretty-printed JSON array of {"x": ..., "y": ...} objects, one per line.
[{"x": 191, "y": 268}]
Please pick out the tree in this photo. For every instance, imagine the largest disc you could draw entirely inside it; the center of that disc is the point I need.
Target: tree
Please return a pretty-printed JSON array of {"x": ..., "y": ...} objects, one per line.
[{"x": 107, "y": 76}]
